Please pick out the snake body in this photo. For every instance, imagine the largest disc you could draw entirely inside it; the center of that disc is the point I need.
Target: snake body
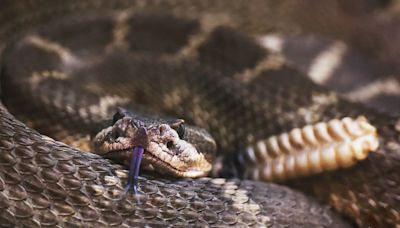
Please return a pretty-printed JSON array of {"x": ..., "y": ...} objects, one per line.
[{"x": 54, "y": 76}]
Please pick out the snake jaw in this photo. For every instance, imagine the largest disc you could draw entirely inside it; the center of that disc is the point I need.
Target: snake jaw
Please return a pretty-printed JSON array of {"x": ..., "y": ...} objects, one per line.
[{"x": 165, "y": 151}]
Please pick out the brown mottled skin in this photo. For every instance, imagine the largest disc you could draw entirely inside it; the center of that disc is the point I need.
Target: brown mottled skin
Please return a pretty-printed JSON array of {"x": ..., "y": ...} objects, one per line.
[{"x": 211, "y": 84}]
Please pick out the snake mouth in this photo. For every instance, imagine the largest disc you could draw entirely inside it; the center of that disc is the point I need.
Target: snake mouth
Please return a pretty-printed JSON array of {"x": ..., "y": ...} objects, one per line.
[{"x": 153, "y": 162}]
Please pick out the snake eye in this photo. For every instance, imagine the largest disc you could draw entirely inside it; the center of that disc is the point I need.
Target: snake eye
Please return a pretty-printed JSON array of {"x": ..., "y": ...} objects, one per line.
[
  {"x": 179, "y": 127},
  {"x": 117, "y": 116},
  {"x": 181, "y": 131},
  {"x": 121, "y": 113}
]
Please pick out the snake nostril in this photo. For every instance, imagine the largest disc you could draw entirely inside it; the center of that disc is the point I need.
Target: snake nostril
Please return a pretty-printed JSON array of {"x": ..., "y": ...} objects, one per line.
[
  {"x": 170, "y": 144},
  {"x": 115, "y": 133}
]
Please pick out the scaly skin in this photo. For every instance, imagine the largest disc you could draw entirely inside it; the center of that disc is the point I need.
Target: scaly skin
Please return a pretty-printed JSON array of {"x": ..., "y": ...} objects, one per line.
[{"x": 240, "y": 97}]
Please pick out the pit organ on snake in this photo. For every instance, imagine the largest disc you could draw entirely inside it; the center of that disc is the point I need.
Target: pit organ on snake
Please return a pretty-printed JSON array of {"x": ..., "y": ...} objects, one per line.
[{"x": 63, "y": 77}]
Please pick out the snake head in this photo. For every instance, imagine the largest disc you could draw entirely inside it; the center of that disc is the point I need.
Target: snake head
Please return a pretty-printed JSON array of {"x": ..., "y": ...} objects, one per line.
[{"x": 170, "y": 146}]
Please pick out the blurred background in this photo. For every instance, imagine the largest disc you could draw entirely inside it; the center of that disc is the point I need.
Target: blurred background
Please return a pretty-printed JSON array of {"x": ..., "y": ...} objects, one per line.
[{"x": 352, "y": 47}]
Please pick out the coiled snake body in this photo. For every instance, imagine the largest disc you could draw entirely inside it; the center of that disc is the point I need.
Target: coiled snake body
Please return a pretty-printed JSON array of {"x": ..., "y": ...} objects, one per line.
[{"x": 61, "y": 76}]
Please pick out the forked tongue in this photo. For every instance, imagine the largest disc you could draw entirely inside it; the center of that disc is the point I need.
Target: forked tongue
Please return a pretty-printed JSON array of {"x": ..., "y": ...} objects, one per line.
[{"x": 137, "y": 155}]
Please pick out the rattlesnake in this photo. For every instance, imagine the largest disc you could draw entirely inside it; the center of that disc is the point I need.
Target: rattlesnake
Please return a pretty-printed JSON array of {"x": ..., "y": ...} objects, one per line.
[{"x": 242, "y": 92}]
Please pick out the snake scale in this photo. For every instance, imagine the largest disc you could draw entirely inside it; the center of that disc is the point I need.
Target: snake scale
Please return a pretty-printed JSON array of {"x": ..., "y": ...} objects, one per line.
[{"x": 72, "y": 56}]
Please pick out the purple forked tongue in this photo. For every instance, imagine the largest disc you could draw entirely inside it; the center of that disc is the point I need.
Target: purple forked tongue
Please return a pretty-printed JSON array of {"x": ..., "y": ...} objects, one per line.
[{"x": 137, "y": 156}]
